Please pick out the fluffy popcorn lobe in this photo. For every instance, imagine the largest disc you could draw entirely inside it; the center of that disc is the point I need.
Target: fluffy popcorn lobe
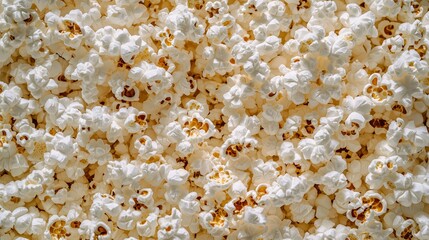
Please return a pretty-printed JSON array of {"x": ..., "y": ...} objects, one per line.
[{"x": 214, "y": 119}]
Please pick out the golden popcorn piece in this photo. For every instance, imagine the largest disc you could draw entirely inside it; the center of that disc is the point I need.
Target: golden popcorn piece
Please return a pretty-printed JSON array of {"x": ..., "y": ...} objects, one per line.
[
  {"x": 379, "y": 123},
  {"x": 192, "y": 128},
  {"x": 219, "y": 217},
  {"x": 221, "y": 176},
  {"x": 70, "y": 27},
  {"x": 57, "y": 230},
  {"x": 138, "y": 206},
  {"x": 234, "y": 149},
  {"x": 100, "y": 231},
  {"x": 407, "y": 233},
  {"x": 399, "y": 108},
  {"x": 141, "y": 120}
]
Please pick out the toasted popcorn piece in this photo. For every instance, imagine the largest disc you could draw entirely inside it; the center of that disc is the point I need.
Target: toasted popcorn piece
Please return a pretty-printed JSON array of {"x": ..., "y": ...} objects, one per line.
[
  {"x": 371, "y": 205},
  {"x": 215, "y": 222}
]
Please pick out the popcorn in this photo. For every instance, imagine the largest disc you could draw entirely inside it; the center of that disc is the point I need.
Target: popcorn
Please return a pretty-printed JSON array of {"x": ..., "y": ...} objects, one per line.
[
  {"x": 215, "y": 119},
  {"x": 64, "y": 112},
  {"x": 381, "y": 171},
  {"x": 286, "y": 190},
  {"x": 406, "y": 191},
  {"x": 371, "y": 205},
  {"x": 302, "y": 212},
  {"x": 219, "y": 179},
  {"x": 104, "y": 203},
  {"x": 146, "y": 147},
  {"x": 345, "y": 200},
  {"x": 218, "y": 60},
  {"x": 131, "y": 11},
  {"x": 27, "y": 222},
  {"x": 325, "y": 13},
  {"x": 379, "y": 90},
  {"x": 407, "y": 86},
  {"x": 331, "y": 175},
  {"x": 98, "y": 152},
  {"x": 56, "y": 227},
  {"x": 297, "y": 84},
  {"x": 121, "y": 172},
  {"x": 360, "y": 24},
  {"x": 184, "y": 25},
  {"x": 128, "y": 218},
  {"x": 118, "y": 43},
  {"x": 169, "y": 226},
  {"x": 257, "y": 70},
  {"x": 319, "y": 149},
  {"x": 61, "y": 151},
  {"x": 389, "y": 8},
  {"x": 215, "y": 222},
  {"x": 95, "y": 229},
  {"x": 189, "y": 204}
]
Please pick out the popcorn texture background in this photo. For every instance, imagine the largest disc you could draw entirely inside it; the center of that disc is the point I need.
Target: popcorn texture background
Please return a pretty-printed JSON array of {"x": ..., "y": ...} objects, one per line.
[{"x": 201, "y": 119}]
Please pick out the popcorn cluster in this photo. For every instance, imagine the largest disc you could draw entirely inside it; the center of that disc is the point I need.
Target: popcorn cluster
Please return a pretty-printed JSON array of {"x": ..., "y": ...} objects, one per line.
[{"x": 214, "y": 119}]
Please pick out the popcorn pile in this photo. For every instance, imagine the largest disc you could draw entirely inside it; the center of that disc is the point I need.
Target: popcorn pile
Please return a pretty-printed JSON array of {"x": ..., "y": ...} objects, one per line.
[{"x": 214, "y": 119}]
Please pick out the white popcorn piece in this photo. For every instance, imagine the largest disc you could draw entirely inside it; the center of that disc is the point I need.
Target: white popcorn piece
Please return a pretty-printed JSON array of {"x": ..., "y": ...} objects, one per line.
[
  {"x": 184, "y": 25},
  {"x": 146, "y": 147},
  {"x": 127, "y": 219},
  {"x": 104, "y": 203},
  {"x": 379, "y": 89},
  {"x": 287, "y": 190},
  {"x": 325, "y": 13},
  {"x": 319, "y": 149},
  {"x": 331, "y": 175},
  {"x": 360, "y": 24},
  {"x": 406, "y": 191},
  {"x": 169, "y": 227},
  {"x": 346, "y": 200},
  {"x": 95, "y": 229},
  {"x": 61, "y": 150},
  {"x": 122, "y": 173},
  {"x": 189, "y": 204},
  {"x": 302, "y": 212},
  {"x": 389, "y": 8},
  {"x": 98, "y": 152},
  {"x": 264, "y": 172},
  {"x": 147, "y": 227}
]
